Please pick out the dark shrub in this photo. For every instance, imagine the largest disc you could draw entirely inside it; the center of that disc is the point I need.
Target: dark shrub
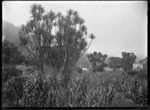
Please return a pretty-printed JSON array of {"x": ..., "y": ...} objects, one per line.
[
  {"x": 11, "y": 54},
  {"x": 142, "y": 74},
  {"x": 9, "y": 71},
  {"x": 78, "y": 69},
  {"x": 13, "y": 91},
  {"x": 132, "y": 73}
]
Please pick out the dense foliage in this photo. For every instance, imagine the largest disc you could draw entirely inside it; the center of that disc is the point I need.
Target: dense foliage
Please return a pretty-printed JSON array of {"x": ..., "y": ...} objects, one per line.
[
  {"x": 11, "y": 56},
  {"x": 11, "y": 53},
  {"x": 88, "y": 90},
  {"x": 97, "y": 61},
  {"x": 115, "y": 62},
  {"x": 128, "y": 59}
]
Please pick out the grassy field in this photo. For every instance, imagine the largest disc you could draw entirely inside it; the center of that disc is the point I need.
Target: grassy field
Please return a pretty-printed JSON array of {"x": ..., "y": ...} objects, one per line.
[{"x": 88, "y": 89}]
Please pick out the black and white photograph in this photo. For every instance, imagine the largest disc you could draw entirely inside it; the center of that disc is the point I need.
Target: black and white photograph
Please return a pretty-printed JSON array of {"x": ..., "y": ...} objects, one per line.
[{"x": 74, "y": 54}]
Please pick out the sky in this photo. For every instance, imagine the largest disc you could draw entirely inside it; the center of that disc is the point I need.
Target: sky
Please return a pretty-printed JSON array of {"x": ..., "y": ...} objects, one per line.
[{"x": 118, "y": 25}]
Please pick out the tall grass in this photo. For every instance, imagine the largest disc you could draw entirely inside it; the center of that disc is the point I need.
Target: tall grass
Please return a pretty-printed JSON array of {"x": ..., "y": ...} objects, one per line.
[{"x": 106, "y": 89}]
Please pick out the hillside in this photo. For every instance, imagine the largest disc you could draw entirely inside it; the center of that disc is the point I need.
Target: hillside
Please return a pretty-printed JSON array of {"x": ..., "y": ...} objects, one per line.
[
  {"x": 84, "y": 62},
  {"x": 10, "y": 31}
]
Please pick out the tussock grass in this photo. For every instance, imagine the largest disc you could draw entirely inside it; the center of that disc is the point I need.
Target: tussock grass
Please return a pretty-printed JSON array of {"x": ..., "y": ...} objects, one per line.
[{"x": 105, "y": 89}]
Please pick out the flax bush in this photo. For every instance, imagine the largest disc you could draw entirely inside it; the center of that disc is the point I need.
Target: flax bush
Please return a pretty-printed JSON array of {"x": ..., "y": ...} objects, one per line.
[{"x": 84, "y": 90}]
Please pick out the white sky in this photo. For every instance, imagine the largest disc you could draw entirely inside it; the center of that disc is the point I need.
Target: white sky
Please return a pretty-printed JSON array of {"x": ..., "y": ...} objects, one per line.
[{"x": 118, "y": 25}]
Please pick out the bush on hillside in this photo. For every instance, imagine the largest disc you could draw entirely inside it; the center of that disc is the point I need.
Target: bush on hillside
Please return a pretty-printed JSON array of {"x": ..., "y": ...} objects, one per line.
[{"x": 11, "y": 54}]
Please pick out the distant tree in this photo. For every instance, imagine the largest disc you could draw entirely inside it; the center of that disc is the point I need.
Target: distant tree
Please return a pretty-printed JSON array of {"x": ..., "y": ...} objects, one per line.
[
  {"x": 115, "y": 62},
  {"x": 54, "y": 39},
  {"x": 144, "y": 62},
  {"x": 128, "y": 59},
  {"x": 98, "y": 61},
  {"x": 11, "y": 54}
]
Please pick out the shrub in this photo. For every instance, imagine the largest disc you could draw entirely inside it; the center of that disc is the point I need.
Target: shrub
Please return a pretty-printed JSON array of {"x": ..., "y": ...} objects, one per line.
[
  {"x": 78, "y": 69},
  {"x": 9, "y": 71},
  {"x": 86, "y": 90},
  {"x": 11, "y": 54},
  {"x": 120, "y": 101},
  {"x": 132, "y": 73},
  {"x": 97, "y": 61}
]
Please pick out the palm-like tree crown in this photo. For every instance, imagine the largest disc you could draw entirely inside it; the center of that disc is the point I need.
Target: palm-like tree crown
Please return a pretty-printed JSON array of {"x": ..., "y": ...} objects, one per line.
[{"x": 92, "y": 36}]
